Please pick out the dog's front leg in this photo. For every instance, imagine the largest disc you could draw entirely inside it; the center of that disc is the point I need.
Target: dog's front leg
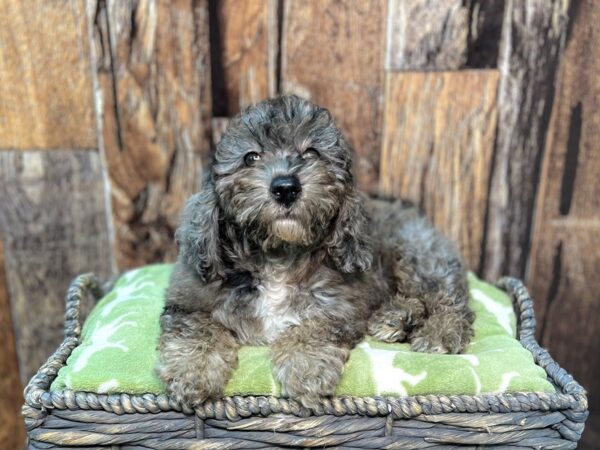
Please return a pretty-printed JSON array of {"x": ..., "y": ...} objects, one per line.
[
  {"x": 196, "y": 356},
  {"x": 308, "y": 359}
]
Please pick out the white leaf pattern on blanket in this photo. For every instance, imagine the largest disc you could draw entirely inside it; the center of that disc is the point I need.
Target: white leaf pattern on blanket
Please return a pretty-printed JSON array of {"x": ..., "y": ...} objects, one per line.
[
  {"x": 108, "y": 386},
  {"x": 506, "y": 379},
  {"x": 503, "y": 314},
  {"x": 387, "y": 377},
  {"x": 133, "y": 288},
  {"x": 472, "y": 359},
  {"x": 99, "y": 340},
  {"x": 477, "y": 381},
  {"x": 474, "y": 362}
]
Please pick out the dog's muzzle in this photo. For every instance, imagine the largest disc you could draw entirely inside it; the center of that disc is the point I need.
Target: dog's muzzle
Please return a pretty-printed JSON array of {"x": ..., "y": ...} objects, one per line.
[{"x": 286, "y": 189}]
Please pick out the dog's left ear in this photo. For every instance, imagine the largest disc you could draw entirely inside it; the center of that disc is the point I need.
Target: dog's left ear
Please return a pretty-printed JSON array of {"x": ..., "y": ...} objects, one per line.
[
  {"x": 350, "y": 245},
  {"x": 198, "y": 233}
]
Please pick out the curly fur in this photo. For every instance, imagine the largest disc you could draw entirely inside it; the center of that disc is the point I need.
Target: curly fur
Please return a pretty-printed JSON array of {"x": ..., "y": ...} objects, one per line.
[{"x": 309, "y": 280}]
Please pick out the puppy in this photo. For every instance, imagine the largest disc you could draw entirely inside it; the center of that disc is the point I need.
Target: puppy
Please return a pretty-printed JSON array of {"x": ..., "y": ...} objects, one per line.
[{"x": 281, "y": 249}]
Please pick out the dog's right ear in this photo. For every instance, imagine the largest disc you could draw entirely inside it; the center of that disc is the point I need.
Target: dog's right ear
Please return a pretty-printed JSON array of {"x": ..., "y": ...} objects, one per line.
[{"x": 198, "y": 233}]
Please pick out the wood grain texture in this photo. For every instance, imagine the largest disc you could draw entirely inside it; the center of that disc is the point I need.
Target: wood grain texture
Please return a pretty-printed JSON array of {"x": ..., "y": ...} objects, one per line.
[
  {"x": 443, "y": 35},
  {"x": 333, "y": 54},
  {"x": 532, "y": 40},
  {"x": 248, "y": 42},
  {"x": 54, "y": 225},
  {"x": 427, "y": 34},
  {"x": 485, "y": 31},
  {"x": 12, "y": 430},
  {"x": 153, "y": 71},
  {"x": 437, "y": 148},
  {"x": 564, "y": 265},
  {"x": 46, "y": 96},
  {"x": 219, "y": 125}
]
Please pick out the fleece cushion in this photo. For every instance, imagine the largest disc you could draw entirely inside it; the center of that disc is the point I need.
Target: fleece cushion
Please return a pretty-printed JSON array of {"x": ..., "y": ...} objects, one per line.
[{"x": 118, "y": 354}]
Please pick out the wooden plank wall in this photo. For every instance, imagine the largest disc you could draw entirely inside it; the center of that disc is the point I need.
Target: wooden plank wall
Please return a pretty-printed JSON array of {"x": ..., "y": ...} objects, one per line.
[
  {"x": 244, "y": 43},
  {"x": 564, "y": 262},
  {"x": 437, "y": 148},
  {"x": 45, "y": 94},
  {"x": 483, "y": 112},
  {"x": 152, "y": 66},
  {"x": 533, "y": 36},
  {"x": 12, "y": 427},
  {"x": 53, "y": 215},
  {"x": 53, "y": 222}
]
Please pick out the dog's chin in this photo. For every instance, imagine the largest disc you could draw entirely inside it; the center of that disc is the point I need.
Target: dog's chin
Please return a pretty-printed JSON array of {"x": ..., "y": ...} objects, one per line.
[{"x": 289, "y": 230}]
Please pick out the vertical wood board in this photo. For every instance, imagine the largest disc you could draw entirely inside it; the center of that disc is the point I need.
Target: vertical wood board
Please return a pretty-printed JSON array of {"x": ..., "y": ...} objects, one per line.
[
  {"x": 485, "y": 31},
  {"x": 437, "y": 148},
  {"x": 53, "y": 222},
  {"x": 153, "y": 71},
  {"x": 248, "y": 45},
  {"x": 564, "y": 263},
  {"x": 443, "y": 34},
  {"x": 427, "y": 34},
  {"x": 332, "y": 53},
  {"x": 219, "y": 126},
  {"x": 12, "y": 431},
  {"x": 532, "y": 40},
  {"x": 46, "y": 97}
]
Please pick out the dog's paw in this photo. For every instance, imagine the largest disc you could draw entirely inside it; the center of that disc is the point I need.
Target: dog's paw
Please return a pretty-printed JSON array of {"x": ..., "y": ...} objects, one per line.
[
  {"x": 307, "y": 387},
  {"x": 192, "y": 391},
  {"x": 307, "y": 378},
  {"x": 390, "y": 326},
  {"x": 448, "y": 332},
  {"x": 447, "y": 342},
  {"x": 193, "y": 382}
]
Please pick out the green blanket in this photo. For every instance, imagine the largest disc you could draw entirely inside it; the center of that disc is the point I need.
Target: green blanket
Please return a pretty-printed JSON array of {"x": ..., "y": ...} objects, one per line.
[{"x": 118, "y": 352}]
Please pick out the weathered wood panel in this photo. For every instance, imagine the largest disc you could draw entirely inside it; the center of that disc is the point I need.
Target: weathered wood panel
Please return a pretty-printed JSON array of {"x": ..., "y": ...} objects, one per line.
[
  {"x": 245, "y": 66},
  {"x": 54, "y": 225},
  {"x": 565, "y": 257},
  {"x": 437, "y": 148},
  {"x": 12, "y": 431},
  {"x": 532, "y": 41},
  {"x": 219, "y": 125},
  {"x": 332, "y": 52},
  {"x": 153, "y": 69},
  {"x": 427, "y": 34},
  {"x": 485, "y": 31},
  {"x": 45, "y": 79},
  {"x": 443, "y": 34}
]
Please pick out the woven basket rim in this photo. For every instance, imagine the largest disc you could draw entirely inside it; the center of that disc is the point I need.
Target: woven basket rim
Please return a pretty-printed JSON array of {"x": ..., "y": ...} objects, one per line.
[{"x": 39, "y": 399}]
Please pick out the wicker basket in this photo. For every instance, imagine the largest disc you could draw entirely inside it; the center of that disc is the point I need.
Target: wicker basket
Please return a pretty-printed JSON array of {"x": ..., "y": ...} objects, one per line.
[{"x": 68, "y": 419}]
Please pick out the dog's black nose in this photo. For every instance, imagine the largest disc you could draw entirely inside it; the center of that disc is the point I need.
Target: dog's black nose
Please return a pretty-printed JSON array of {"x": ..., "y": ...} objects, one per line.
[{"x": 286, "y": 189}]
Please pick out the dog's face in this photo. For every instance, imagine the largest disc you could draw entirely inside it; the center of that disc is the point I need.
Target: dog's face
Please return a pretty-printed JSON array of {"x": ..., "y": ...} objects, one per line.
[
  {"x": 281, "y": 180},
  {"x": 282, "y": 171}
]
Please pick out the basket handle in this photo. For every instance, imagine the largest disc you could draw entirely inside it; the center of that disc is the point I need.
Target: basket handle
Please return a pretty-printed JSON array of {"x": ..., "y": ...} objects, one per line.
[
  {"x": 526, "y": 335},
  {"x": 81, "y": 286},
  {"x": 39, "y": 384}
]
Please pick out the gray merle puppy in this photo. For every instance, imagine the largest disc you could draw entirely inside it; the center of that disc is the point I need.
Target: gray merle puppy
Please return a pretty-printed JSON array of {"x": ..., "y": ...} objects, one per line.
[{"x": 281, "y": 249}]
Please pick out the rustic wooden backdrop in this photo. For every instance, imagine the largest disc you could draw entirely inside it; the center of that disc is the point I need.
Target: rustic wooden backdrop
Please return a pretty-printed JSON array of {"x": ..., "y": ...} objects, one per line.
[{"x": 485, "y": 112}]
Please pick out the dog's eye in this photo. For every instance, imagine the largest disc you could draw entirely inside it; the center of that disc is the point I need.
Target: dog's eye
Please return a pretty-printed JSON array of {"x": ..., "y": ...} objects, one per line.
[
  {"x": 310, "y": 153},
  {"x": 251, "y": 158}
]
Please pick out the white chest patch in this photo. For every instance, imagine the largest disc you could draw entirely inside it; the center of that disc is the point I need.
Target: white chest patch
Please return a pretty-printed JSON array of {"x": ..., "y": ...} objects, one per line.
[{"x": 273, "y": 306}]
